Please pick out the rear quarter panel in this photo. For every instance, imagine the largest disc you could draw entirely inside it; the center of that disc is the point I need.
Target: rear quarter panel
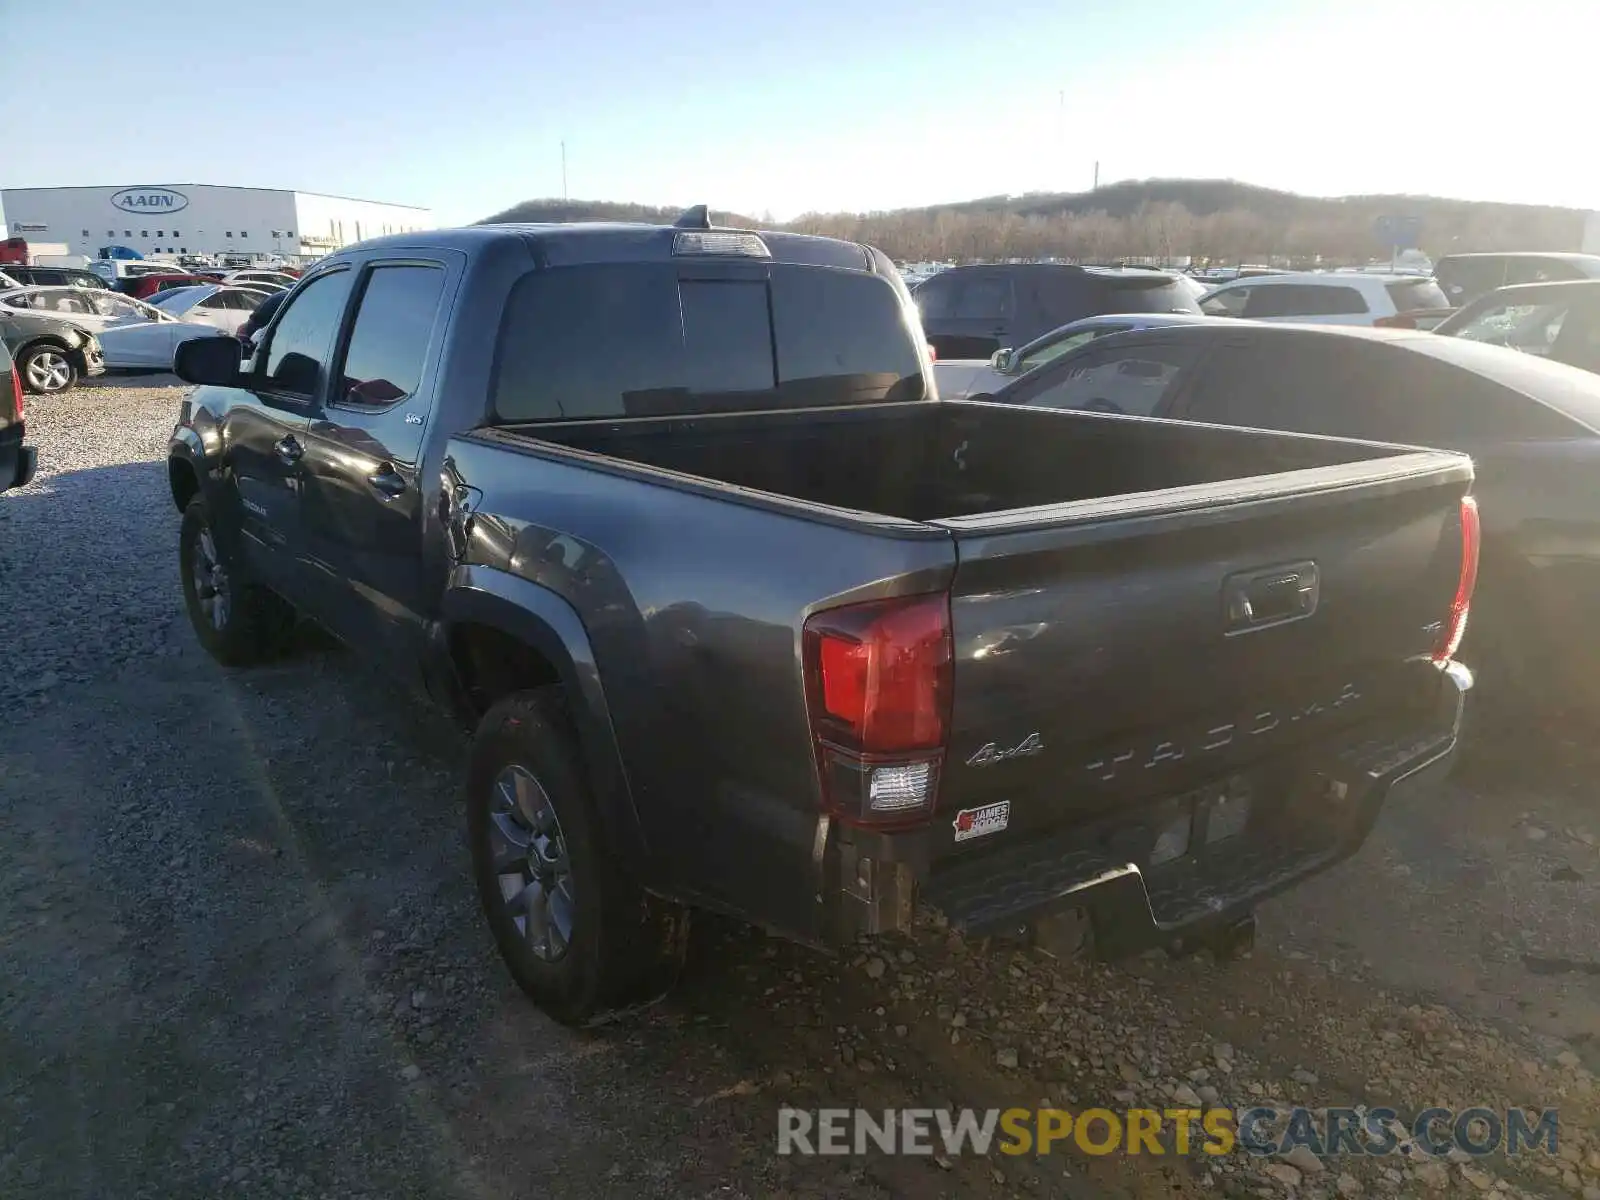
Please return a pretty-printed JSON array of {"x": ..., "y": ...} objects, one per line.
[{"x": 694, "y": 603}]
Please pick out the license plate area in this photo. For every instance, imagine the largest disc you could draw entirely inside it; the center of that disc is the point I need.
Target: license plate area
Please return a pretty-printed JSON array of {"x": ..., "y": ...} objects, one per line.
[{"x": 1203, "y": 820}]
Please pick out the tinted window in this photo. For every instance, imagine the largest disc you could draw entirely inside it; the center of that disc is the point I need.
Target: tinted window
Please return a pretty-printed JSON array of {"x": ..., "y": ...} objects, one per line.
[
  {"x": 842, "y": 338},
  {"x": 1166, "y": 295},
  {"x": 297, "y": 356},
  {"x": 1465, "y": 279},
  {"x": 629, "y": 339},
  {"x": 1355, "y": 388},
  {"x": 1416, "y": 293},
  {"x": 1303, "y": 300},
  {"x": 50, "y": 278},
  {"x": 935, "y": 297},
  {"x": 389, "y": 343},
  {"x": 983, "y": 297},
  {"x": 1120, "y": 379},
  {"x": 1540, "y": 270}
]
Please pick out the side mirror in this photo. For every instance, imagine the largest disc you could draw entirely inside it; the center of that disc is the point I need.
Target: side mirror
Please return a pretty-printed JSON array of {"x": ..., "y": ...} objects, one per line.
[
  {"x": 212, "y": 360},
  {"x": 1000, "y": 360}
]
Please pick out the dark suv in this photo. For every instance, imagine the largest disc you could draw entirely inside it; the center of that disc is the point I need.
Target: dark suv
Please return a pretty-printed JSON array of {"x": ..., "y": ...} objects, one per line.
[
  {"x": 17, "y": 462},
  {"x": 1465, "y": 277},
  {"x": 970, "y": 312}
]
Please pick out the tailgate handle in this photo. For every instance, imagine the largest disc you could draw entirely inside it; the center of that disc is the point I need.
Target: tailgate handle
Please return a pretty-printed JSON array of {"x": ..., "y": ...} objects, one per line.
[{"x": 1270, "y": 596}]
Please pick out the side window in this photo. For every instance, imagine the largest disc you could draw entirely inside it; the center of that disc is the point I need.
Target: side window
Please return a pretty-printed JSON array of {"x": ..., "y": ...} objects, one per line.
[
  {"x": 1229, "y": 302},
  {"x": 389, "y": 343},
  {"x": 1055, "y": 350},
  {"x": 297, "y": 356},
  {"x": 1539, "y": 270},
  {"x": 1531, "y": 328},
  {"x": 1134, "y": 380},
  {"x": 1304, "y": 300},
  {"x": 1576, "y": 341}
]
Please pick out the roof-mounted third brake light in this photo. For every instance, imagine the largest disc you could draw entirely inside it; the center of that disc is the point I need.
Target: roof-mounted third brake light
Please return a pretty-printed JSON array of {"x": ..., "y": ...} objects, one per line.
[{"x": 719, "y": 242}]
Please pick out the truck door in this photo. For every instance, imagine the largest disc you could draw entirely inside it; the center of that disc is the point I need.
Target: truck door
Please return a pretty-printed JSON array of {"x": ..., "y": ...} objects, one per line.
[
  {"x": 264, "y": 431},
  {"x": 363, "y": 506}
]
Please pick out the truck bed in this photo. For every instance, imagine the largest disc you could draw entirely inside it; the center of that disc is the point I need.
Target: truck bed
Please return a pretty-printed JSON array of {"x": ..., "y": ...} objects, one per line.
[{"x": 932, "y": 462}]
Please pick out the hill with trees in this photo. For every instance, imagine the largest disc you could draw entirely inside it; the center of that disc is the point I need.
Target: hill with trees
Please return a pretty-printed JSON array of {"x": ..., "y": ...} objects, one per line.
[{"x": 1219, "y": 220}]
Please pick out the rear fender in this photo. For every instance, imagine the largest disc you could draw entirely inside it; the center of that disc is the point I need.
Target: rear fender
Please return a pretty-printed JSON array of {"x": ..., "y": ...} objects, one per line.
[{"x": 547, "y": 623}]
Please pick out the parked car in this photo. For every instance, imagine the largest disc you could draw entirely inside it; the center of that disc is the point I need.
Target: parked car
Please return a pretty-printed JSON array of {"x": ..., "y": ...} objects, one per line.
[
  {"x": 213, "y": 304},
  {"x": 1558, "y": 321},
  {"x": 149, "y": 345},
  {"x": 962, "y": 377},
  {"x": 1331, "y": 298},
  {"x": 970, "y": 312},
  {"x": 18, "y": 460},
  {"x": 1465, "y": 277},
  {"x": 51, "y": 354},
  {"x": 1531, "y": 426},
  {"x": 147, "y": 287},
  {"x": 280, "y": 279},
  {"x": 52, "y": 277},
  {"x": 968, "y": 655},
  {"x": 88, "y": 309}
]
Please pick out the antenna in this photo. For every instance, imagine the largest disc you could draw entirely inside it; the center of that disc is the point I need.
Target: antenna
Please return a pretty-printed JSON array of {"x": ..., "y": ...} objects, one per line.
[{"x": 694, "y": 218}]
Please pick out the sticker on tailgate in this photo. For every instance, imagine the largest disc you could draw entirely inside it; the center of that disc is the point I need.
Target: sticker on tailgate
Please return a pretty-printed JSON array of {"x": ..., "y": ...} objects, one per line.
[{"x": 978, "y": 822}]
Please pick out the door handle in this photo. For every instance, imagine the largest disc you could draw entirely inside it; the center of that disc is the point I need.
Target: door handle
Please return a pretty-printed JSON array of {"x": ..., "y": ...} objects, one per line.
[
  {"x": 387, "y": 481},
  {"x": 288, "y": 449}
]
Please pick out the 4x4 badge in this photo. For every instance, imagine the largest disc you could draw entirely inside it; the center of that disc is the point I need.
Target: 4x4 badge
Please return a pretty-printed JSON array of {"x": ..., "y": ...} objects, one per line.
[{"x": 990, "y": 753}]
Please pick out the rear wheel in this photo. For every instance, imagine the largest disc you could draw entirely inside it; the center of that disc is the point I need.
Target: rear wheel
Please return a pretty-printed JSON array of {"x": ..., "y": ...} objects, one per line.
[
  {"x": 578, "y": 936},
  {"x": 46, "y": 369},
  {"x": 239, "y": 623}
]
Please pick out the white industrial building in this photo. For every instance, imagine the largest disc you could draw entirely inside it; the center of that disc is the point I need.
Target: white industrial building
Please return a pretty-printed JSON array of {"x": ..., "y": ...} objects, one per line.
[{"x": 201, "y": 218}]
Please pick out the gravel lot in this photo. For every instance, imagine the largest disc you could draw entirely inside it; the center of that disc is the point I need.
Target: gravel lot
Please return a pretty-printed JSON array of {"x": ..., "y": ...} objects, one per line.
[{"x": 239, "y": 953}]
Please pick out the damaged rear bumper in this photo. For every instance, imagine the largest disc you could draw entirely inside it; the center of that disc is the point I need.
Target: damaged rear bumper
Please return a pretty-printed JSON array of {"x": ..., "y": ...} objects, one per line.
[{"x": 1133, "y": 906}]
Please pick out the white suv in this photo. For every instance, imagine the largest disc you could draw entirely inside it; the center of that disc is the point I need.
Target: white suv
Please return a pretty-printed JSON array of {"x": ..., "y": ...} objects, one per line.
[{"x": 1332, "y": 298}]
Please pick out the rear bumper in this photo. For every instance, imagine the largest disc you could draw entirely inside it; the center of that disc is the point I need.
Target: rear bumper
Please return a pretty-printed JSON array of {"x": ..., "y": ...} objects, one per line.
[{"x": 1133, "y": 907}]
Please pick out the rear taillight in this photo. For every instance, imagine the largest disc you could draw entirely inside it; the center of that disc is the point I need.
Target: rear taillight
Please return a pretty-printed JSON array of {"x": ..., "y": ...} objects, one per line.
[
  {"x": 1456, "y": 624},
  {"x": 878, "y": 679},
  {"x": 1396, "y": 322},
  {"x": 933, "y": 352},
  {"x": 16, "y": 390}
]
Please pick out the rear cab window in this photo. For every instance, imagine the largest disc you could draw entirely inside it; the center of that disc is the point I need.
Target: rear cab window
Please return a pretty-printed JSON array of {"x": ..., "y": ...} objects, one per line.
[{"x": 660, "y": 339}]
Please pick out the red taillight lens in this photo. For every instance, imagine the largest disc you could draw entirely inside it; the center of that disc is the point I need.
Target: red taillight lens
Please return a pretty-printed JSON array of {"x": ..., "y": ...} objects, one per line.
[
  {"x": 16, "y": 389},
  {"x": 1396, "y": 322},
  {"x": 878, "y": 681},
  {"x": 1456, "y": 625}
]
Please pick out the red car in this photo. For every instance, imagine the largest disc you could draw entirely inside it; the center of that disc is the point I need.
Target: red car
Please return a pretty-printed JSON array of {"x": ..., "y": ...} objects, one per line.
[{"x": 142, "y": 287}]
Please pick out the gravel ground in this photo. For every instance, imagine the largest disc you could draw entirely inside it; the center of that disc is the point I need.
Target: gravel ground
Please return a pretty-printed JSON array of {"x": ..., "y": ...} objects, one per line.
[{"x": 239, "y": 953}]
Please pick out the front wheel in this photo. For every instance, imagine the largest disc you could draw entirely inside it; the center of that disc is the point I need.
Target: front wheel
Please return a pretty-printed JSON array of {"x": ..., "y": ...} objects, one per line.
[
  {"x": 46, "y": 370},
  {"x": 238, "y": 623},
  {"x": 578, "y": 936}
]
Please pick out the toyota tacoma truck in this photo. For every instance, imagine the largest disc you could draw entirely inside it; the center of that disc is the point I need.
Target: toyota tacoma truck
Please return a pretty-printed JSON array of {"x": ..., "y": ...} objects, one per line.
[{"x": 746, "y": 619}]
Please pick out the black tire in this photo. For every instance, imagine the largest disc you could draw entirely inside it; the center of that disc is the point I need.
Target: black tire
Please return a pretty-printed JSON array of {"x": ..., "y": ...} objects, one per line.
[
  {"x": 32, "y": 362},
  {"x": 255, "y": 624},
  {"x": 620, "y": 946}
]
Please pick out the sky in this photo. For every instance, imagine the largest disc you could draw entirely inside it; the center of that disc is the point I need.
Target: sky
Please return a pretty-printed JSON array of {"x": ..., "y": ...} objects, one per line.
[{"x": 832, "y": 105}]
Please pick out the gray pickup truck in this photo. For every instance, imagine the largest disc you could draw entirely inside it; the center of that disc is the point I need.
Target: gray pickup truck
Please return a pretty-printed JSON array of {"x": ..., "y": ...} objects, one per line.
[{"x": 745, "y": 618}]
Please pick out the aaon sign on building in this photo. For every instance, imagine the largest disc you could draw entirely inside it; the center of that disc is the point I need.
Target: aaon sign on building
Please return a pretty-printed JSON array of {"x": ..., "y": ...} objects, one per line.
[{"x": 150, "y": 200}]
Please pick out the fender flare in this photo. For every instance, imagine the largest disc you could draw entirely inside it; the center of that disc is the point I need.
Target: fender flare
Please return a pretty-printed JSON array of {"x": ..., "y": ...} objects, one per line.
[
  {"x": 186, "y": 450},
  {"x": 547, "y": 622}
]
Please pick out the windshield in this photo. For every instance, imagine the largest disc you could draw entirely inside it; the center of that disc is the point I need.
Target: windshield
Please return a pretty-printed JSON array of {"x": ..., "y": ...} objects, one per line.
[{"x": 1530, "y": 328}]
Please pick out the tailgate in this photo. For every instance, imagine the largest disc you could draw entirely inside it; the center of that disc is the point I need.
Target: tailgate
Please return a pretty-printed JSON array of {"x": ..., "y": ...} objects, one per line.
[{"x": 1111, "y": 653}]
